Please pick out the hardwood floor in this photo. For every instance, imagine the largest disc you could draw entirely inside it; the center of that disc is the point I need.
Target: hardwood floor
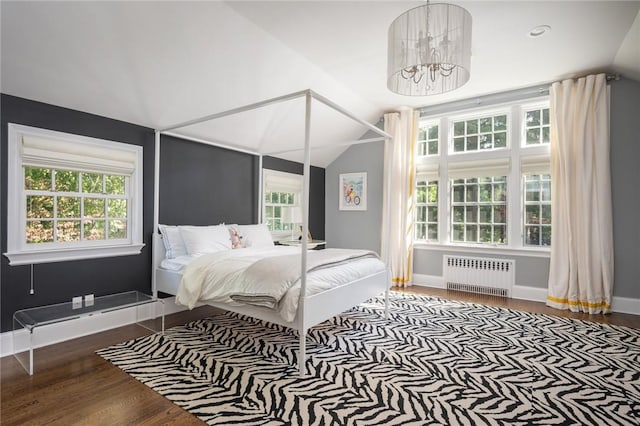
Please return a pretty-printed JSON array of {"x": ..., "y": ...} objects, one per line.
[{"x": 74, "y": 386}]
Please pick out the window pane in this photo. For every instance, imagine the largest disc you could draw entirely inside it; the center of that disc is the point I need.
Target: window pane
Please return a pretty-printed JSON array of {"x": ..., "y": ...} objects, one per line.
[
  {"x": 432, "y": 214},
  {"x": 546, "y": 191},
  {"x": 268, "y": 211},
  {"x": 472, "y": 214},
  {"x": 500, "y": 140},
  {"x": 421, "y": 231},
  {"x": 39, "y": 231},
  {"x": 545, "y": 214},
  {"x": 472, "y": 143},
  {"x": 267, "y": 197},
  {"x": 499, "y": 214},
  {"x": 472, "y": 127},
  {"x": 532, "y": 214},
  {"x": 472, "y": 233},
  {"x": 421, "y": 194},
  {"x": 533, "y": 118},
  {"x": 458, "y": 233},
  {"x": 94, "y": 229},
  {"x": 291, "y": 198},
  {"x": 433, "y": 147},
  {"x": 94, "y": 207},
  {"x": 545, "y": 239},
  {"x": 433, "y": 192},
  {"x": 117, "y": 229},
  {"x": 433, "y": 132},
  {"x": 274, "y": 197},
  {"x": 39, "y": 206},
  {"x": 115, "y": 185},
  {"x": 545, "y": 116},
  {"x": 485, "y": 234},
  {"x": 532, "y": 235},
  {"x": 485, "y": 214},
  {"x": 68, "y": 231},
  {"x": 533, "y": 136},
  {"x": 68, "y": 207},
  {"x": 37, "y": 178},
  {"x": 458, "y": 128},
  {"x": 485, "y": 125},
  {"x": 458, "y": 194},
  {"x": 458, "y": 214},
  {"x": 277, "y": 212},
  {"x": 532, "y": 191},
  {"x": 472, "y": 193},
  {"x": 500, "y": 234},
  {"x": 67, "y": 181},
  {"x": 92, "y": 183},
  {"x": 432, "y": 232},
  {"x": 422, "y": 214},
  {"x": 500, "y": 122},
  {"x": 546, "y": 135},
  {"x": 486, "y": 193},
  {"x": 458, "y": 144},
  {"x": 117, "y": 208},
  {"x": 500, "y": 192},
  {"x": 486, "y": 141}
]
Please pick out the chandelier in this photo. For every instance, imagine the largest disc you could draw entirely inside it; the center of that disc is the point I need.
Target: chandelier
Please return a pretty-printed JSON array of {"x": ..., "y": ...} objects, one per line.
[{"x": 429, "y": 50}]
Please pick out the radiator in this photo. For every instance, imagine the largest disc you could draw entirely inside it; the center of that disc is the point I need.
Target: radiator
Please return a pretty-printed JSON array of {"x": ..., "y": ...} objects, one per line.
[{"x": 481, "y": 275}]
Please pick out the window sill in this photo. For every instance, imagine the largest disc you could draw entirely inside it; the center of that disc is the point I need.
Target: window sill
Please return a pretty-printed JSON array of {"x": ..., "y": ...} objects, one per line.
[
  {"x": 467, "y": 248},
  {"x": 62, "y": 255}
]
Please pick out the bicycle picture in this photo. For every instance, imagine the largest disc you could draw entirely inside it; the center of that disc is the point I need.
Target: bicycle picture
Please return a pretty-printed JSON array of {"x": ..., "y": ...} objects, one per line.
[{"x": 353, "y": 189}]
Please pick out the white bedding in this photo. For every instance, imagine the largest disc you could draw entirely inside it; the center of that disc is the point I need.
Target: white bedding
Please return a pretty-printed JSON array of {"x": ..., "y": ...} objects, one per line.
[{"x": 231, "y": 263}]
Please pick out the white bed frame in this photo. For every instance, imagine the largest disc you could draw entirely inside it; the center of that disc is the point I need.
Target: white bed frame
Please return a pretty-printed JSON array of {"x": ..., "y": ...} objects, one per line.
[{"x": 314, "y": 309}]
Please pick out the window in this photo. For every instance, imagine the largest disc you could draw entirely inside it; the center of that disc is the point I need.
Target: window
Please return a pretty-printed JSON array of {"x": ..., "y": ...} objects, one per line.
[
  {"x": 427, "y": 210},
  {"x": 537, "y": 210},
  {"x": 537, "y": 127},
  {"x": 486, "y": 132},
  {"x": 479, "y": 210},
  {"x": 485, "y": 189},
  {"x": 428, "y": 139},
  {"x": 281, "y": 190},
  {"x": 273, "y": 204},
  {"x": 72, "y": 197}
]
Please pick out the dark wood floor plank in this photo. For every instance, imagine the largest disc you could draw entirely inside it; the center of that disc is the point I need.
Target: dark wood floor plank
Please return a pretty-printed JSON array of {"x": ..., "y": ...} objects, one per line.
[{"x": 72, "y": 385}]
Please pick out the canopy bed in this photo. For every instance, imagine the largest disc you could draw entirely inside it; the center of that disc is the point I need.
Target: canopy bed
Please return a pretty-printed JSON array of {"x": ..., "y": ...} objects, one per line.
[{"x": 313, "y": 298}]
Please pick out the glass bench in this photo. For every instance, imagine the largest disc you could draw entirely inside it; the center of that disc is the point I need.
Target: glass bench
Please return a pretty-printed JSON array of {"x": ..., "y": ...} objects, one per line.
[{"x": 27, "y": 321}]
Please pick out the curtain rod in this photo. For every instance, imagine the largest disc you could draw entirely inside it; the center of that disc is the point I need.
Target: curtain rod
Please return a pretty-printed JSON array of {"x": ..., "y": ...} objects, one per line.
[{"x": 496, "y": 98}]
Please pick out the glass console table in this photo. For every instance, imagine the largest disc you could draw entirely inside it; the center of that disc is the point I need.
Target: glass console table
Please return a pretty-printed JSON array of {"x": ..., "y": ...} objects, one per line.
[{"x": 27, "y": 321}]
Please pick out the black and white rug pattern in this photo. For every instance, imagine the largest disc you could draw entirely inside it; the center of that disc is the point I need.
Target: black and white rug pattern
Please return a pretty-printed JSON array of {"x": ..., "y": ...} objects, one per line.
[{"x": 433, "y": 362}]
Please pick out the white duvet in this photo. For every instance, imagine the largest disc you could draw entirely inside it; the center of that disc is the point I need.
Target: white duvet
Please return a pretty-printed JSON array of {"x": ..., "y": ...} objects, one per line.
[{"x": 214, "y": 277}]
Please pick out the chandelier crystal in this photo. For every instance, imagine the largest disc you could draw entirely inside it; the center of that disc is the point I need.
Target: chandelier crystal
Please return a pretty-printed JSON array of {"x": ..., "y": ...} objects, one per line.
[{"x": 429, "y": 50}]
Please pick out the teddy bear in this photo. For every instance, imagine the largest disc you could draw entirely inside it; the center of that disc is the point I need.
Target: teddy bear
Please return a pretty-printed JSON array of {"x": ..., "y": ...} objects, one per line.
[{"x": 236, "y": 240}]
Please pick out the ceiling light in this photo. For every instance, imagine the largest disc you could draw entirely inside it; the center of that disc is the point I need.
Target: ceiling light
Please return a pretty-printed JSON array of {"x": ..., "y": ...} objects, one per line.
[
  {"x": 429, "y": 50},
  {"x": 539, "y": 31}
]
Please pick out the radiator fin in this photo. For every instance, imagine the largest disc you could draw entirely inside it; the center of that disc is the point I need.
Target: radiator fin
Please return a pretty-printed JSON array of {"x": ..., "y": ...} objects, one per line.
[{"x": 480, "y": 275}]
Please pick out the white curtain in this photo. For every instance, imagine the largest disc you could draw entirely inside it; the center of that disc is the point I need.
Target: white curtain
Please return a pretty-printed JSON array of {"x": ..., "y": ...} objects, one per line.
[
  {"x": 399, "y": 172},
  {"x": 581, "y": 270}
]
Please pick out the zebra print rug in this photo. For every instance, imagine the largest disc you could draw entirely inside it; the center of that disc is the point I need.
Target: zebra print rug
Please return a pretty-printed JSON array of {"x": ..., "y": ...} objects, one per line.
[{"x": 433, "y": 362}]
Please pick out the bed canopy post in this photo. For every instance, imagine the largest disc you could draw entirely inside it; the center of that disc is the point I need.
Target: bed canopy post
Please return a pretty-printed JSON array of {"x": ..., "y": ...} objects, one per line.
[
  {"x": 156, "y": 213},
  {"x": 305, "y": 231}
]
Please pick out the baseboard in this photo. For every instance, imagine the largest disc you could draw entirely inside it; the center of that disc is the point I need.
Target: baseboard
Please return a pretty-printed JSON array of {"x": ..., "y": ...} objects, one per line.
[
  {"x": 433, "y": 281},
  {"x": 623, "y": 305},
  {"x": 67, "y": 330}
]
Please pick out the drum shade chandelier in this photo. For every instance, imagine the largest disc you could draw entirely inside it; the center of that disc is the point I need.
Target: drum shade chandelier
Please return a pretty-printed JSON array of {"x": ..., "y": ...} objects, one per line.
[{"x": 429, "y": 50}]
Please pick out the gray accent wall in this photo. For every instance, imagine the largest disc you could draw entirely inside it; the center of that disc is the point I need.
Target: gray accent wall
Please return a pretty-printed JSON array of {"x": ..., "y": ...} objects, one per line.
[
  {"x": 625, "y": 182},
  {"x": 355, "y": 229}
]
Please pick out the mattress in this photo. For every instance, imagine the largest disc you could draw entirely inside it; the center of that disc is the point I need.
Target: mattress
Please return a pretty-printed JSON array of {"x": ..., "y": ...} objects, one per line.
[{"x": 317, "y": 281}]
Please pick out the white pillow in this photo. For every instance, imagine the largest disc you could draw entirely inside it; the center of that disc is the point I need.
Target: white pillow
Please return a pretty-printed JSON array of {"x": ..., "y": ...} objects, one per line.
[
  {"x": 255, "y": 235},
  {"x": 205, "y": 239},
  {"x": 173, "y": 244}
]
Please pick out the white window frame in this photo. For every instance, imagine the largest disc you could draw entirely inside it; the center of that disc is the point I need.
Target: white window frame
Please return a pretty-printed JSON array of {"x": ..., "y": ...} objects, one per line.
[
  {"x": 514, "y": 153},
  {"x": 291, "y": 182},
  {"x": 18, "y": 251}
]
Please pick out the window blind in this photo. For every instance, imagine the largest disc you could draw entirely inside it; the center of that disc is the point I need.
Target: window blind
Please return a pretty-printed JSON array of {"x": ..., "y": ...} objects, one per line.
[
  {"x": 483, "y": 168},
  {"x": 66, "y": 155},
  {"x": 282, "y": 182},
  {"x": 535, "y": 164}
]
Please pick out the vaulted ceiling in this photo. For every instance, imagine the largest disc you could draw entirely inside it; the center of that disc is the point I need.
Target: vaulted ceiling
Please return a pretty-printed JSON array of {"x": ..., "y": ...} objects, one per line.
[{"x": 161, "y": 63}]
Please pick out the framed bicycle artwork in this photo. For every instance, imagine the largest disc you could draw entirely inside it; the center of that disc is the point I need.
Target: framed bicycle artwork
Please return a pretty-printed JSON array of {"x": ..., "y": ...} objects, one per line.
[{"x": 353, "y": 191}]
